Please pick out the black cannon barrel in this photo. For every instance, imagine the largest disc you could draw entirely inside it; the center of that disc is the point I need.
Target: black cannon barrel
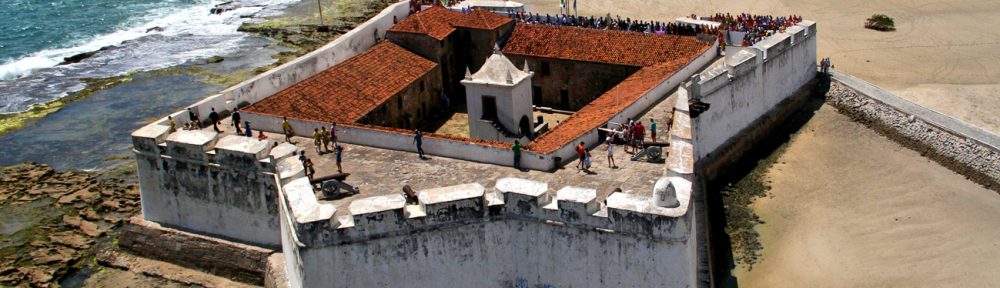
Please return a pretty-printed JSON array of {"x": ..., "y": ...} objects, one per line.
[{"x": 336, "y": 176}]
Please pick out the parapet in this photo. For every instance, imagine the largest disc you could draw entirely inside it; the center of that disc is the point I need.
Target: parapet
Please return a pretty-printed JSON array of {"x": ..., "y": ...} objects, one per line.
[
  {"x": 467, "y": 204},
  {"x": 208, "y": 148},
  {"x": 749, "y": 58}
]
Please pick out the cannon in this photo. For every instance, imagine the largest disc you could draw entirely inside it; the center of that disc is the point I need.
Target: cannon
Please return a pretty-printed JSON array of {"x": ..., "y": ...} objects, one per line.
[
  {"x": 333, "y": 184},
  {"x": 653, "y": 154}
]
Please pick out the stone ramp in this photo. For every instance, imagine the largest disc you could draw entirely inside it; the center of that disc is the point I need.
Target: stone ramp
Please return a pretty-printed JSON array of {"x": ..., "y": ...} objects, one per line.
[{"x": 221, "y": 260}]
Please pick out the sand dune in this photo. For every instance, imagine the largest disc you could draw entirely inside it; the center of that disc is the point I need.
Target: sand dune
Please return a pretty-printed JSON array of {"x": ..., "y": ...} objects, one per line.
[{"x": 944, "y": 54}]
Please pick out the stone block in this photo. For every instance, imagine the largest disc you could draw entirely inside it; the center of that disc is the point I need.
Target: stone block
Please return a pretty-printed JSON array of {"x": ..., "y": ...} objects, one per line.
[
  {"x": 635, "y": 214},
  {"x": 575, "y": 203},
  {"x": 282, "y": 150},
  {"x": 241, "y": 152},
  {"x": 303, "y": 204},
  {"x": 379, "y": 213},
  {"x": 745, "y": 61},
  {"x": 681, "y": 157},
  {"x": 290, "y": 168},
  {"x": 453, "y": 203},
  {"x": 775, "y": 44},
  {"x": 810, "y": 27},
  {"x": 147, "y": 138},
  {"x": 798, "y": 34},
  {"x": 191, "y": 144},
  {"x": 522, "y": 196}
]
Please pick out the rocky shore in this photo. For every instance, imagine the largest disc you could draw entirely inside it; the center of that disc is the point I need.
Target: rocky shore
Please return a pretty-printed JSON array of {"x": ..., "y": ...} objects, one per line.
[{"x": 54, "y": 223}]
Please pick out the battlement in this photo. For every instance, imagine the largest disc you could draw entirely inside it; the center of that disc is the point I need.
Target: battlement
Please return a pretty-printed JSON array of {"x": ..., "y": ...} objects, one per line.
[
  {"x": 510, "y": 199},
  {"x": 749, "y": 58},
  {"x": 204, "y": 182}
]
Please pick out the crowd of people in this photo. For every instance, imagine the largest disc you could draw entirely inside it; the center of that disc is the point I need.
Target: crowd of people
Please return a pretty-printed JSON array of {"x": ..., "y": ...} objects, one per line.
[
  {"x": 756, "y": 27},
  {"x": 611, "y": 23},
  {"x": 631, "y": 133},
  {"x": 323, "y": 139}
]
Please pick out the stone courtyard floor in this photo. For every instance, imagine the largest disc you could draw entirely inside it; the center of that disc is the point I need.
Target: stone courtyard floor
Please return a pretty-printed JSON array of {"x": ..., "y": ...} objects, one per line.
[{"x": 376, "y": 171}]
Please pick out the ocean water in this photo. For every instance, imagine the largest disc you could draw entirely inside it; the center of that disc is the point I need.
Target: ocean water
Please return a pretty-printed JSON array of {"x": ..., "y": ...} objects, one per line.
[
  {"x": 93, "y": 133},
  {"x": 137, "y": 35}
]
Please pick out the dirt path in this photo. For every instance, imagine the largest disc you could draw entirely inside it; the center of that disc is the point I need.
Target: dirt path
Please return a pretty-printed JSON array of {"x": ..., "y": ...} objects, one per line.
[
  {"x": 944, "y": 54},
  {"x": 837, "y": 217}
]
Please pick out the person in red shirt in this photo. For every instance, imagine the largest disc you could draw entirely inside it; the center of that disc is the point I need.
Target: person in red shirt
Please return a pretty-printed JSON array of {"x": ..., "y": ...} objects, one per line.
[
  {"x": 580, "y": 153},
  {"x": 640, "y": 132}
]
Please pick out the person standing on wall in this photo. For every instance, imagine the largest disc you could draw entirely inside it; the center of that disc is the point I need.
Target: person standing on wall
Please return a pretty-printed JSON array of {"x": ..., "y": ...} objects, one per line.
[
  {"x": 324, "y": 137},
  {"x": 287, "y": 128},
  {"x": 214, "y": 117},
  {"x": 418, "y": 139},
  {"x": 652, "y": 129},
  {"x": 173, "y": 126},
  {"x": 517, "y": 154},
  {"x": 317, "y": 141},
  {"x": 246, "y": 128},
  {"x": 236, "y": 121},
  {"x": 670, "y": 121},
  {"x": 611, "y": 154},
  {"x": 338, "y": 151}
]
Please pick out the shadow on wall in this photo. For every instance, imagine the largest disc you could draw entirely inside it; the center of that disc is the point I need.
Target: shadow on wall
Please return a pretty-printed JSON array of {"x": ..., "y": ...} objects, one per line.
[{"x": 737, "y": 186}]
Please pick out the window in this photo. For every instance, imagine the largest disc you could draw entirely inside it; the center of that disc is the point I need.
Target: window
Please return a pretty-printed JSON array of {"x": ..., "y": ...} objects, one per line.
[
  {"x": 489, "y": 108},
  {"x": 399, "y": 102},
  {"x": 545, "y": 68},
  {"x": 421, "y": 86},
  {"x": 536, "y": 95},
  {"x": 564, "y": 98}
]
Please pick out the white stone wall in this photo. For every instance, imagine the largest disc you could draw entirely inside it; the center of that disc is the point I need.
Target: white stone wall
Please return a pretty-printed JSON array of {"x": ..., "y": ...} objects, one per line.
[
  {"x": 509, "y": 253},
  {"x": 750, "y": 83},
  {"x": 197, "y": 182},
  {"x": 519, "y": 234}
]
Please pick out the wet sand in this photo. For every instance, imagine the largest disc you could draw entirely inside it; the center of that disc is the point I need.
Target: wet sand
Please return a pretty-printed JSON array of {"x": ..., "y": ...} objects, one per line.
[
  {"x": 944, "y": 54},
  {"x": 851, "y": 208}
]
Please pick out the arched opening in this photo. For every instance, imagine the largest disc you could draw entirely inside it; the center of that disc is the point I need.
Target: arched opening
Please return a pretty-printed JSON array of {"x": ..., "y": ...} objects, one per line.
[{"x": 525, "y": 126}]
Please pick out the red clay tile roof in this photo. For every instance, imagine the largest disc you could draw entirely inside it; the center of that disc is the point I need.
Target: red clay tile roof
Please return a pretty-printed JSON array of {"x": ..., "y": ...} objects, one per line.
[
  {"x": 596, "y": 45},
  {"x": 348, "y": 91},
  {"x": 601, "y": 110},
  {"x": 439, "y": 22},
  {"x": 481, "y": 19}
]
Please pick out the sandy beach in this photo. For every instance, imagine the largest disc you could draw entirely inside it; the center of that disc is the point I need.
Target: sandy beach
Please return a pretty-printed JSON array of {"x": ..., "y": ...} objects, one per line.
[
  {"x": 944, "y": 54},
  {"x": 835, "y": 217}
]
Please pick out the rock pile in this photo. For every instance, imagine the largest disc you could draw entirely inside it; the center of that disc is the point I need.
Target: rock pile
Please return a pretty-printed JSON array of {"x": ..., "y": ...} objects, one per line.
[
  {"x": 53, "y": 221},
  {"x": 966, "y": 156}
]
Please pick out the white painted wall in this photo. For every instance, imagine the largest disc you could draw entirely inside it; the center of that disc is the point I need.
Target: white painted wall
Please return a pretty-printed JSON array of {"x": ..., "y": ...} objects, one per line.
[
  {"x": 750, "y": 84},
  {"x": 195, "y": 189},
  {"x": 513, "y": 102},
  {"x": 509, "y": 253}
]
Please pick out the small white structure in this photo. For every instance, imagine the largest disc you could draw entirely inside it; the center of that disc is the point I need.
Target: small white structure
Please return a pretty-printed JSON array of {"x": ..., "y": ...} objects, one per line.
[{"x": 499, "y": 100}]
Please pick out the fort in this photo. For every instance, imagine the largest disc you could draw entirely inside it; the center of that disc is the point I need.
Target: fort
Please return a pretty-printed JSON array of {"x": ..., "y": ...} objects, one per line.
[{"x": 483, "y": 223}]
